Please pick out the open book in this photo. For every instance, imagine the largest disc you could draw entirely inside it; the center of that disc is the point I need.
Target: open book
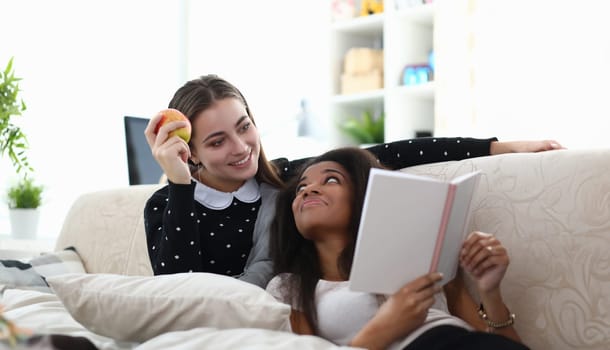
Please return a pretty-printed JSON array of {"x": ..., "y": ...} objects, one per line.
[{"x": 410, "y": 225}]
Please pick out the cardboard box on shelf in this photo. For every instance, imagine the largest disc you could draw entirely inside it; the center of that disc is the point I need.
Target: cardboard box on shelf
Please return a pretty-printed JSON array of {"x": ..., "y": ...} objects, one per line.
[
  {"x": 353, "y": 83},
  {"x": 360, "y": 60}
]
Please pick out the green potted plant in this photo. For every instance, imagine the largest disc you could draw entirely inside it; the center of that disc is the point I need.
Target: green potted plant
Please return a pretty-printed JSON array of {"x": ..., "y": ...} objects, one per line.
[
  {"x": 24, "y": 197},
  {"x": 25, "y": 194},
  {"x": 366, "y": 129}
]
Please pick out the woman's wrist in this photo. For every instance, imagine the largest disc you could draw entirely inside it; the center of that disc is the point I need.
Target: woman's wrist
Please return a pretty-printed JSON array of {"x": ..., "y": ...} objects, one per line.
[
  {"x": 370, "y": 337},
  {"x": 497, "y": 147},
  {"x": 494, "y": 307},
  {"x": 491, "y": 299},
  {"x": 493, "y": 325},
  {"x": 378, "y": 334}
]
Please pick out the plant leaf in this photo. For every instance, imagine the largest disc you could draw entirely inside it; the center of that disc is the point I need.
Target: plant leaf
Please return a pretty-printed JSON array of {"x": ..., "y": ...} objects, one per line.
[
  {"x": 356, "y": 131},
  {"x": 12, "y": 139}
]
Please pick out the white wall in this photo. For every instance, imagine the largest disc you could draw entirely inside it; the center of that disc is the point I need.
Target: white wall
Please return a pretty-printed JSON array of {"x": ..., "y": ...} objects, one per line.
[
  {"x": 525, "y": 70},
  {"x": 86, "y": 64},
  {"x": 276, "y": 53}
]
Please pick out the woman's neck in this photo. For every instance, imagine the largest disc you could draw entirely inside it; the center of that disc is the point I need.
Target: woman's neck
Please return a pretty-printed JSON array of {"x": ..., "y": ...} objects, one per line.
[
  {"x": 223, "y": 185},
  {"x": 329, "y": 252}
]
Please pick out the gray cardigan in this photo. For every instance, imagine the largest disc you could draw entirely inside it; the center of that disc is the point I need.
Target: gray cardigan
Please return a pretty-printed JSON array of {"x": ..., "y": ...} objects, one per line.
[{"x": 259, "y": 268}]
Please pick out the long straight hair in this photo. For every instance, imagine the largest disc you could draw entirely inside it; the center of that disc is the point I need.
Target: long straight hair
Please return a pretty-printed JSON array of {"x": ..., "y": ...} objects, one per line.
[
  {"x": 199, "y": 94},
  {"x": 293, "y": 254}
]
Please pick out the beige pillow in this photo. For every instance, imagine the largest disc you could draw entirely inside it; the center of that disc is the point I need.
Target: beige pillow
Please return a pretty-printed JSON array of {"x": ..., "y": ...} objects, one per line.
[{"x": 137, "y": 308}]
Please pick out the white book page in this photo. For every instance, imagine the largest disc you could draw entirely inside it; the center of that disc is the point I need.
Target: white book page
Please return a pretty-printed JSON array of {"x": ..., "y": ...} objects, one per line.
[
  {"x": 399, "y": 227},
  {"x": 398, "y": 230}
]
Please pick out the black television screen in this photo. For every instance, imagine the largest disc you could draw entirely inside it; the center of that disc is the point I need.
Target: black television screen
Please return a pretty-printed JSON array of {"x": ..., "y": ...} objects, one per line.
[{"x": 143, "y": 168}]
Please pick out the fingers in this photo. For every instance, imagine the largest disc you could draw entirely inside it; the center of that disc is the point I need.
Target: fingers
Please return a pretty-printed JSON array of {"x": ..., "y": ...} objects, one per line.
[
  {"x": 552, "y": 145},
  {"x": 172, "y": 147},
  {"x": 424, "y": 286},
  {"x": 486, "y": 259},
  {"x": 541, "y": 146},
  {"x": 163, "y": 147},
  {"x": 481, "y": 251},
  {"x": 425, "y": 281},
  {"x": 418, "y": 295},
  {"x": 477, "y": 238},
  {"x": 479, "y": 244},
  {"x": 149, "y": 132}
]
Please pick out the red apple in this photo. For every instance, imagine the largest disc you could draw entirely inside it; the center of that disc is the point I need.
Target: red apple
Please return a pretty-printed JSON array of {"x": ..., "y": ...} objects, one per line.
[{"x": 170, "y": 115}]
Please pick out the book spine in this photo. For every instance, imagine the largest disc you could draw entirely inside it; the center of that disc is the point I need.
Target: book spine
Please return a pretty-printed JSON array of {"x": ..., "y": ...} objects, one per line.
[{"x": 440, "y": 237}]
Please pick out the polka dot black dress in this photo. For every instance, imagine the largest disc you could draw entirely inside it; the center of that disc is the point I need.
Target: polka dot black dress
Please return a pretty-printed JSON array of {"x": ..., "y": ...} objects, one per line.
[{"x": 215, "y": 235}]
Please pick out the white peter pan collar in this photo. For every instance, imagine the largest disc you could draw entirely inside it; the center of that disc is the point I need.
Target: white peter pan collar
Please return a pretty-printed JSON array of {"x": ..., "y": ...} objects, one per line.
[{"x": 211, "y": 198}]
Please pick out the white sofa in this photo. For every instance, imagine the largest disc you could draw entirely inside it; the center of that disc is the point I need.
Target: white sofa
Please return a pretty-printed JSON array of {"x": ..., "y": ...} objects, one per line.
[{"x": 551, "y": 210}]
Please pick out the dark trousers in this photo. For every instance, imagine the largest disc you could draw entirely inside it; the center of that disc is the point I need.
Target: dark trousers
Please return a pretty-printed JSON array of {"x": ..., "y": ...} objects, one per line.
[{"x": 456, "y": 338}]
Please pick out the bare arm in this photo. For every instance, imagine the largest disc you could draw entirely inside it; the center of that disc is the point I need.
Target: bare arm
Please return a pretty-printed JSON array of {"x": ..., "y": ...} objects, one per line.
[
  {"x": 485, "y": 260},
  {"x": 401, "y": 314},
  {"x": 299, "y": 323},
  {"x": 498, "y": 147},
  {"x": 462, "y": 305}
]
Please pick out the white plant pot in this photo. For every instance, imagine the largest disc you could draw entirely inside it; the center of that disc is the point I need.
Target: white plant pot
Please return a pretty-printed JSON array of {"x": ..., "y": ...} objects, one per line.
[{"x": 24, "y": 222}]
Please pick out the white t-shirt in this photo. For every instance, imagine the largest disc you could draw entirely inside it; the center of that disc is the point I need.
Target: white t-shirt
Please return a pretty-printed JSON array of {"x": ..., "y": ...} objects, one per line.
[{"x": 343, "y": 312}]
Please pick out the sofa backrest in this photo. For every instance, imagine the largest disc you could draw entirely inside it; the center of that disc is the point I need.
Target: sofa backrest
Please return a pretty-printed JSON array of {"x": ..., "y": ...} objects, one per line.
[{"x": 551, "y": 210}]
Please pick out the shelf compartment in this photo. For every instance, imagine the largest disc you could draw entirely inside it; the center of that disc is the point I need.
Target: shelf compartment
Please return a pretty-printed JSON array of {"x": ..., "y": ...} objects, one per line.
[
  {"x": 360, "y": 99},
  {"x": 361, "y": 25},
  {"x": 422, "y": 14},
  {"x": 424, "y": 90}
]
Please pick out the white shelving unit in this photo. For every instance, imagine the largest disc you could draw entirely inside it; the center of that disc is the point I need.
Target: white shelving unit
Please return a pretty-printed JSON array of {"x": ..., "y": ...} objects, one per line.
[{"x": 406, "y": 36}]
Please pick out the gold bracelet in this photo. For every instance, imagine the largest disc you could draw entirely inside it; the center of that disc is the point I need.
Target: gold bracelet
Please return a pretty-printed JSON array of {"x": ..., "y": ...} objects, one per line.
[{"x": 491, "y": 325}]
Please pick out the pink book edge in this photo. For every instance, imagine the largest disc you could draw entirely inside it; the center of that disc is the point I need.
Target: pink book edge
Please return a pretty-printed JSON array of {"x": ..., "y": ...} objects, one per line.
[{"x": 440, "y": 237}]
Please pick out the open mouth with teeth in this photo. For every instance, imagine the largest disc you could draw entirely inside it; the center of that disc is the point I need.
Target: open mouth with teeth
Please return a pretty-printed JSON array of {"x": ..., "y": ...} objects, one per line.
[{"x": 243, "y": 161}]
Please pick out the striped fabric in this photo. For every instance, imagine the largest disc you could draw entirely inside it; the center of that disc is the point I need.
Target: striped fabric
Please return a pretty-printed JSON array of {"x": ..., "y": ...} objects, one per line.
[{"x": 31, "y": 274}]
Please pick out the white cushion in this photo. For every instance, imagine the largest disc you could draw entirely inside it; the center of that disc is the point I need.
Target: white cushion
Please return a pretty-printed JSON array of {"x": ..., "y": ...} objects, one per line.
[
  {"x": 43, "y": 313},
  {"x": 137, "y": 308},
  {"x": 242, "y": 338}
]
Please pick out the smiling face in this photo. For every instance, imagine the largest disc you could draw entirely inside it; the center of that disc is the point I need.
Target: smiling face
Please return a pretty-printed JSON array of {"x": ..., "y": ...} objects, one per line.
[
  {"x": 323, "y": 201},
  {"x": 227, "y": 144}
]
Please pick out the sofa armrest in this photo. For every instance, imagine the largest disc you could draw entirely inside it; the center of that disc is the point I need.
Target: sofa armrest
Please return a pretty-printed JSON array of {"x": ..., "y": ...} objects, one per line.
[{"x": 107, "y": 230}]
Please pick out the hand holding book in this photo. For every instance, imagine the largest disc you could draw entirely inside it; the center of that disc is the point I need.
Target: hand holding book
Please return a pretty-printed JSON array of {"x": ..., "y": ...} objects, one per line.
[{"x": 485, "y": 259}]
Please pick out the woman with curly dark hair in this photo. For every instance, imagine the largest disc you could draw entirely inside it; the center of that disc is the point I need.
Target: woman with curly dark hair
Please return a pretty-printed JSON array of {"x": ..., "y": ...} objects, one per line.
[{"x": 312, "y": 245}]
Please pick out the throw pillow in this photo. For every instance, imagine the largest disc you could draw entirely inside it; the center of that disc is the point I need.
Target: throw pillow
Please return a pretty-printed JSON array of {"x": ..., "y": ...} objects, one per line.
[
  {"x": 138, "y": 308},
  {"x": 32, "y": 274}
]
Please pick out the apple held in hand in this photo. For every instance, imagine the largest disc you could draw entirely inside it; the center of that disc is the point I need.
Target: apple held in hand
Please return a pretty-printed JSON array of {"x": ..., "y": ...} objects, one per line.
[{"x": 170, "y": 115}]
